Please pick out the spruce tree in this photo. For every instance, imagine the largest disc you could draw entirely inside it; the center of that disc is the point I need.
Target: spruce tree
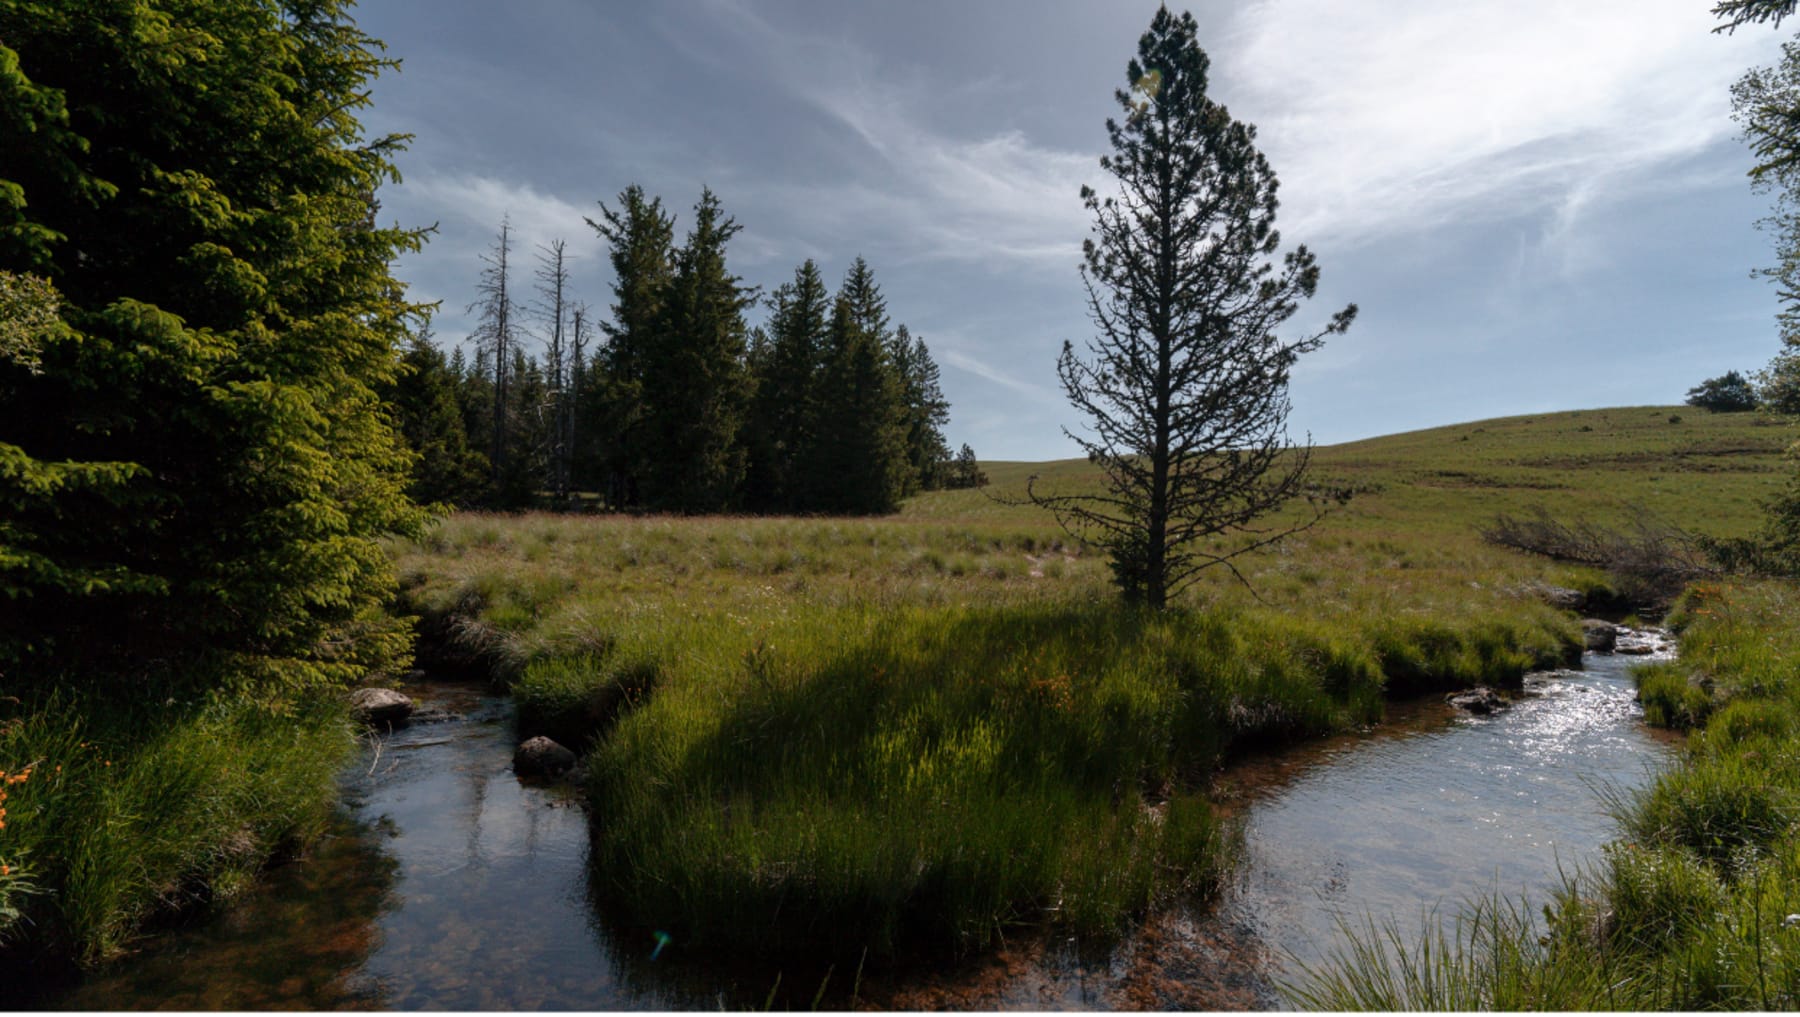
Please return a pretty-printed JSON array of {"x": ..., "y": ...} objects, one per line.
[
  {"x": 1186, "y": 394},
  {"x": 197, "y": 472},
  {"x": 694, "y": 382},
  {"x": 642, "y": 253},
  {"x": 428, "y": 415},
  {"x": 858, "y": 464},
  {"x": 785, "y": 409},
  {"x": 927, "y": 411}
]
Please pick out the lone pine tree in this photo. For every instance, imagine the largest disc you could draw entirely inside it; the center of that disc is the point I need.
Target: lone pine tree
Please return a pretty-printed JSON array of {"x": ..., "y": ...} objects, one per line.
[{"x": 1186, "y": 393}]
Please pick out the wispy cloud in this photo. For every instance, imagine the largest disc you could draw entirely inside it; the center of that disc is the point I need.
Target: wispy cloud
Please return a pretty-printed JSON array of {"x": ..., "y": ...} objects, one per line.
[
  {"x": 1420, "y": 114},
  {"x": 940, "y": 196},
  {"x": 963, "y": 360}
]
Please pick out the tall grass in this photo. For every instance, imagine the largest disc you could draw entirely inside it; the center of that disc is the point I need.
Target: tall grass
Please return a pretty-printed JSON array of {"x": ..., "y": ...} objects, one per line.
[{"x": 132, "y": 811}]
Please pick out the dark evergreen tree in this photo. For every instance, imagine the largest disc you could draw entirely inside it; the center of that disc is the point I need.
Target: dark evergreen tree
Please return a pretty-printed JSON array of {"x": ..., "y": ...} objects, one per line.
[
  {"x": 694, "y": 382},
  {"x": 927, "y": 411},
  {"x": 475, "y": 402},
  {"x": 529, "y": 428},
  {"x": 1729, "y": 393},
  {"x": 196, "y": 470},
  {"x": 785, "y": 411},
  {"x": 642, "y": 254},
  {"x": 427, "y": 411},
  {"x": 965, "y": 471},
  {"x": 1187, "y": 392},
  {"x": 858, "y": 463},
  {"x": 1747, "y": 12}
]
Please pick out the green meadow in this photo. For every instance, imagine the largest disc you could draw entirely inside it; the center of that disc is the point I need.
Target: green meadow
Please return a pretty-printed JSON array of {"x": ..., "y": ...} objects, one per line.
[{"x": 919, "y": 731}]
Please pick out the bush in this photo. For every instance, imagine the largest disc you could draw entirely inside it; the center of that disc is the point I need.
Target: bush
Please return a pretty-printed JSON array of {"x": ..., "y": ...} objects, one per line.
[{"x": 1728, "y": 393}]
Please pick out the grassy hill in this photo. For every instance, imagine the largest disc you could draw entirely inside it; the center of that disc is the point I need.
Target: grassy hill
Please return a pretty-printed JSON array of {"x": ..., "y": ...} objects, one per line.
[{"x": 1699, "y": 470}]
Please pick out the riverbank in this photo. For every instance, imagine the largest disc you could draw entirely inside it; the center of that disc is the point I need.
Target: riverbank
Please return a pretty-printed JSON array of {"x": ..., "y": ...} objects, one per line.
[
  {"x": 119, "y": 812},
  {"x": 1694, "y": 906}
]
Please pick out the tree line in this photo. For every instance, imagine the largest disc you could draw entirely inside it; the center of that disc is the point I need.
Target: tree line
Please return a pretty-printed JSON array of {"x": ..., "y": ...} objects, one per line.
[{"x": 674, "y": 402}]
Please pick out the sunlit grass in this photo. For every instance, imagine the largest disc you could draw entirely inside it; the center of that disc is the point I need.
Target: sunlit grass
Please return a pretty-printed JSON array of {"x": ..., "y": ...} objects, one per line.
[{"x": 130, "y": 812}]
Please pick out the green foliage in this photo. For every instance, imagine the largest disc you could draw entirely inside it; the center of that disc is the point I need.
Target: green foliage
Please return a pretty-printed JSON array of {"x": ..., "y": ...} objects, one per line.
[
  {"x": 642, "y": 251},
  {"x": 1186, "y": 391},
  {"x": 199, "y": 469},
  {"x": 1728, "y": 393},
  {"x": 428, "y": 415},
  {"x": 128, "y": 812},
  {"x": 858, "y": 464},
  {"x": 28, "y": 314},
  {"x": 784, "y": 415},
  {"x": 694, "y": 386}
]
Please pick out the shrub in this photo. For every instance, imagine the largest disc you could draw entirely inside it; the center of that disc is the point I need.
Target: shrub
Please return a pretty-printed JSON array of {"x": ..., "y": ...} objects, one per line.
[{"x": 1728, "y": 393}]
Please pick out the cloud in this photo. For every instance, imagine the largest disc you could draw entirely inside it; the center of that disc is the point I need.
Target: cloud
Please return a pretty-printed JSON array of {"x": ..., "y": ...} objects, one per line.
[
  {"x": 468, "y": 209},
  {"x": 997, "y": 196},
  {"x": 1418, "y": 114},
  {"x": 962, "y": 360},
  {"x": 471, "y": 205}
]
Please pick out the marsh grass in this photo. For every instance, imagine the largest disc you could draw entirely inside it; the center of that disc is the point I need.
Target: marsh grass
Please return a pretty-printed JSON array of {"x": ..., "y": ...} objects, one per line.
[
  {"x": 889, "y": 755},
  {"x": 155, "y": 810}
]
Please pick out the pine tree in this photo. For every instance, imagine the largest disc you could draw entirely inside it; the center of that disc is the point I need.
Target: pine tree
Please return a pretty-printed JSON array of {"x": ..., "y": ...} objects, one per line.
[
  {"x": 784, "y": 412},
  {"x": 694, "y": 382},
  {"x": 858, "y": 464},
  {"x": 965, "y": 471},
  {"x": 1187, "y": 392},
  {"x": 529, "y": 429},
  {"x": 197, "y": 472},
  {"x": 427, "y": 414},
  {"x": 642, "y": 255},
  {"x": 927, "y": 411}
]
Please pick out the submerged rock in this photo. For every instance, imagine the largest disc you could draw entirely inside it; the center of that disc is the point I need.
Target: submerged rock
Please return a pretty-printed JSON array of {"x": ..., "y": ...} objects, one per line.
[
  {"x": 1478, "y": 700},
  {"x": 380, "y": 706},
  {"x": 1600, "y": 636},
  {"x": 541, "y": 757}
]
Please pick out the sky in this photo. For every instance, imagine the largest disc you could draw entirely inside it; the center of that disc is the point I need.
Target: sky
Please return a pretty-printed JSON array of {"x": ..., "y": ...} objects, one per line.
[{"x": 1537, "y": 205}]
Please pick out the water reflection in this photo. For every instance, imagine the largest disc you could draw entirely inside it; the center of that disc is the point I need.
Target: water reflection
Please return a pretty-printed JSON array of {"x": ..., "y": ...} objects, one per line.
[{"x": 1446, "y": 811}]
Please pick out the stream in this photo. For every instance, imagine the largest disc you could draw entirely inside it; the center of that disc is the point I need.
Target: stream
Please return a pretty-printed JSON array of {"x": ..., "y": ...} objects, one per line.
[{"x": 446, "y": 883}]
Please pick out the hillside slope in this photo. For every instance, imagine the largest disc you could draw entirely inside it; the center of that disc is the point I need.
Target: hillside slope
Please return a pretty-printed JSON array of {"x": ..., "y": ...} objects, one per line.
[{"x": 1702, "y": 471}]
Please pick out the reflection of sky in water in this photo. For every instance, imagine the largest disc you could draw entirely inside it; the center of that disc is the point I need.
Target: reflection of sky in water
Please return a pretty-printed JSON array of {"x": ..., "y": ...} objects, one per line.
[
  {"x": 492, "y": 873},
  {"x": 1395, "y": 826}
]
